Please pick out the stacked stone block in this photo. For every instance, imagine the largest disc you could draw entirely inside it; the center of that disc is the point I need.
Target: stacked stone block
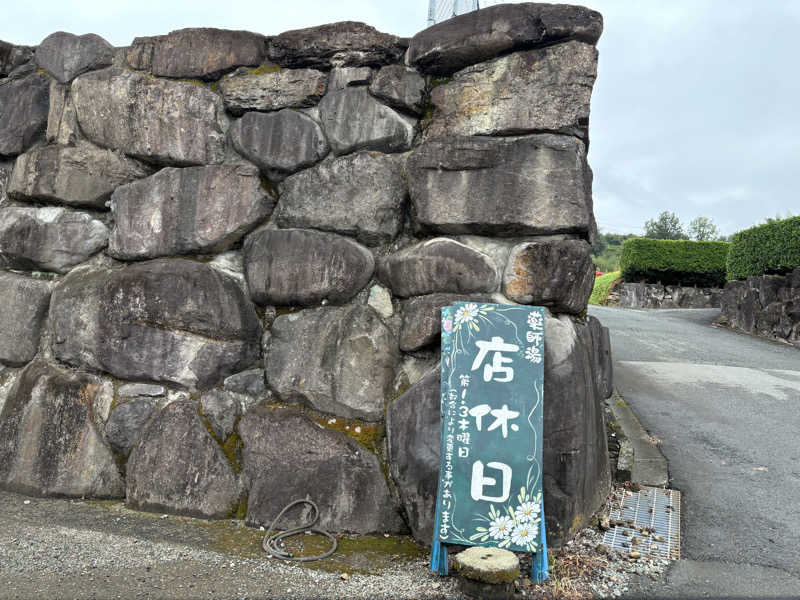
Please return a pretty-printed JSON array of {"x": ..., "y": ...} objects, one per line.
[{"x": 224, "y": 256}]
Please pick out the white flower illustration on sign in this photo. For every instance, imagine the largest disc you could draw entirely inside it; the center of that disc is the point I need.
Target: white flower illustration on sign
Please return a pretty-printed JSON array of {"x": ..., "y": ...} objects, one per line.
[
  {"x": 501, "y": 527},
  {"x": 466, "y": 313},
  {"x": 527, "y": 512},
  {"x": 523, "y": 535}
]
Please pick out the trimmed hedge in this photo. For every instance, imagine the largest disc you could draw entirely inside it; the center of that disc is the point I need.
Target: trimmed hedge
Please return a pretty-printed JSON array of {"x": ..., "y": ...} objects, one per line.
[
  {"x": 674, "y": 262},
  {"x": 602, "y": 287},
  {"x": 770, "y": 248}
]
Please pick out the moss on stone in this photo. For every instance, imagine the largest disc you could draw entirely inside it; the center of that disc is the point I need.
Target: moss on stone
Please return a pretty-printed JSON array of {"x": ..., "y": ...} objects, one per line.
[
  {"x": 270, "y": 187},
  {"x": 231, "y": 447},
  {"x": 368, "y": 435},
  {"x": 266, "y": 68}
]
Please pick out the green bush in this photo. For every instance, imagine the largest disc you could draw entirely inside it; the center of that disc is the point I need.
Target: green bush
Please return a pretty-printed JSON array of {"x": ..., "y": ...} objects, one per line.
[
  {"x": 602, "y": 286},
  {"x": 674, "y": 262},
  {"x": 770, "y": 248}
]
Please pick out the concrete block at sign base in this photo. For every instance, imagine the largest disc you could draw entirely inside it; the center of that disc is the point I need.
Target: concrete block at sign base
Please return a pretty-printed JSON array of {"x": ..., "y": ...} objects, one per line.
[{"x": 487, "y": 573}]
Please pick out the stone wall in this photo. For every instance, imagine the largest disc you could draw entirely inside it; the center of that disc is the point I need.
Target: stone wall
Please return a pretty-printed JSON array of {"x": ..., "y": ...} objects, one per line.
[
  {"x": 648, "y": 295},
  {"x": 224, "y": 254},
  {"x": 768, "y": 306}
]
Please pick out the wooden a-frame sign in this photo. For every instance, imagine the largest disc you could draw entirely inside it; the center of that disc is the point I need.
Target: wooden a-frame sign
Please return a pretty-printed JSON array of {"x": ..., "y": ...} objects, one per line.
[{"x": 492, "y": 388}]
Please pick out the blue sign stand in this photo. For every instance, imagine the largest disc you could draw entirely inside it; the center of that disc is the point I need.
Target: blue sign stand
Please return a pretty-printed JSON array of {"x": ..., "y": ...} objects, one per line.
[{"x": 472, "y": 508}]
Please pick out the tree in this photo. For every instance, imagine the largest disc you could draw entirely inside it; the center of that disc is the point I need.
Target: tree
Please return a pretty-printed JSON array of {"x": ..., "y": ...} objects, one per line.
[
  {"x": 666, "y": 227},
  {"x": 703, "y": 229}
]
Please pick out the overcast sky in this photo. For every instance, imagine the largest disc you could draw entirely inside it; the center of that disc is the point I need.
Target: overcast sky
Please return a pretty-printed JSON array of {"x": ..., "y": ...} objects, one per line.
[{"x": 695, "y": 109}]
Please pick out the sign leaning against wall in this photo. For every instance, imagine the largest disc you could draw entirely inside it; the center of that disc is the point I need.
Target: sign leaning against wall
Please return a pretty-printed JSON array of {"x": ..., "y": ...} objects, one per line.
[{"x": 490, "y": 480}]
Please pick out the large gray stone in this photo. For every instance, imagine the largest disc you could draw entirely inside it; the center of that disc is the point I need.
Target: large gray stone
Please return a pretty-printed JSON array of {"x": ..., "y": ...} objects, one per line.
[
  {"x": 575, "y": 460},
  {"x": 601, "y": 354},
  {"x": 221, "y": 409},
  {"x": 6, "y": 168},
  {"x": 249, "y": 383},
  {"x": 49, "y": 445},
  {"x": 557, "y": 274},
  {"x": 304, "y": 267},
  {"x": 361, "y": 195},
  {"x": 170, "y": 320},
  {"x": 157, "y": 120},
  {"x": 354, "y": 120},
  {"x": 204, "y": 53},
  {"x": 280, "y": 143},
  {"x": 49, "y": 239},
  {"x": 65, "y": 55},
  {"x": 337, "y": 360},
  {"x": 286, "y": 456},
  {"x": 126, "y": 422},
  {"x": 422, "y": 318},
  {"x": 25, "y": 303},
  {"x": 399, "y": 87},
  {"x": 342, "y": 77},
  {"x": 135, "y": 390},
  {"x": 438, "y": 265},
  {"x": 190, "y": 478},
  {"x": 538, "y": 184},
  {"x": 481, "y": 35},
  {"x": 413, "y": 432},
  {"x": 539, "y": 90},
  {"x": 272, "y": 90},
  {"x": 24, "y": 104},
  {"x": 62, "y": 122},
  {"x": 187, "y": 211},
  {"x": 12, "y": 56},
  {"x": 82, "y": 175},
  {"x": 345, "y": 44}
]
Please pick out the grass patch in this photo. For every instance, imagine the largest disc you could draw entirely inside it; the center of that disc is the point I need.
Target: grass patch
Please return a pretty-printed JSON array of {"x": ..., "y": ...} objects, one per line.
[{"x": 602, "y": 286}]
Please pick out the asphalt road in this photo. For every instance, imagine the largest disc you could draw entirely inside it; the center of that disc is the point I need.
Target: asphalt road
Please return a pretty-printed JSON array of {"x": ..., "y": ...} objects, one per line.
[{"x": 727, "y": 409}]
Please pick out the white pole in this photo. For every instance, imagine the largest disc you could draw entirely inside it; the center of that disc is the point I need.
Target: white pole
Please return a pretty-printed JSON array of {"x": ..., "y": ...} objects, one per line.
[{"x": 431, "y": 12}]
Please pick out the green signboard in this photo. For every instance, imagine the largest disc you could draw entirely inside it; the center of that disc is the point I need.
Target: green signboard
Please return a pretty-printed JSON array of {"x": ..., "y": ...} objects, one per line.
[{"x": 490, "y": 480}]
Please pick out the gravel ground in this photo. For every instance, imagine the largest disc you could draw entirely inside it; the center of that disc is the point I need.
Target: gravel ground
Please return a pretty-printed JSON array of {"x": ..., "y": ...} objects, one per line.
[
  {"x": 52, "y": 548},
  {"x": 66, "y": 549}
]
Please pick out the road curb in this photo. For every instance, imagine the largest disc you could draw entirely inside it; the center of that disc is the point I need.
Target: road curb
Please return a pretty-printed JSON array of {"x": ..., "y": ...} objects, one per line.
[{"x": 647, "y": 466}]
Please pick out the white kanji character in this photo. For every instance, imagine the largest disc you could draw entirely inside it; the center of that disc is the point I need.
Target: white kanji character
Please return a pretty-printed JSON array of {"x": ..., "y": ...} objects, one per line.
[
  {"x": 479, "y": 482},
  {"x": 532, "y": 354},
  {"x": 535, "y": 321},
  {"x": 533, "y": 337},
  {"x": 502, "y": 417},
  {"x": 497, "y": 345},
  {"x": 479, "y": 412},
  {"x": 463, "y": 452}
]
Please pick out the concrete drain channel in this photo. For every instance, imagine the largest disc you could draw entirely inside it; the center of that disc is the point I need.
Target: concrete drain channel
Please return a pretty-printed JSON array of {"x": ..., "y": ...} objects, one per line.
[{"x": 648, "y": 522}]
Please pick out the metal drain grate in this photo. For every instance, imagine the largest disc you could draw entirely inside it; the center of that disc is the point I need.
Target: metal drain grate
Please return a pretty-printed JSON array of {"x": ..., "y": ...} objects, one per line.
[{"x": 656, "y": 509}]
